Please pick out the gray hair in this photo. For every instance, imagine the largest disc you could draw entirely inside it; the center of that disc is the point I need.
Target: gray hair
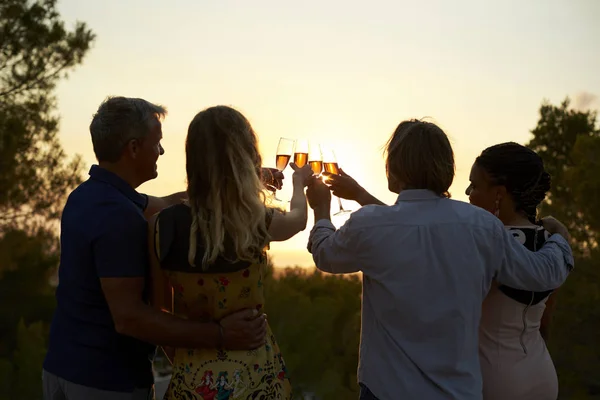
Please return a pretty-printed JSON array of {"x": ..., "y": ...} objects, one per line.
[{"x": 119, "y": 120}]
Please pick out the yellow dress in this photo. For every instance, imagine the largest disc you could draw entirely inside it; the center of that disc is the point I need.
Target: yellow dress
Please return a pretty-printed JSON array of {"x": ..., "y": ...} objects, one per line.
[{"x": 218, "y": 374}]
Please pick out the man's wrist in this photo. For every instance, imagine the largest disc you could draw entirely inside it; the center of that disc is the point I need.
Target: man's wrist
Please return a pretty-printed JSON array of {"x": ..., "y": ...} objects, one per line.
[
  {"x": 363, "y": 197},
  {"x": 211, "y": 335},
  {"x": 221, "y": 339},
  {"x": 176, "y": 198},
  {"x": 322, "y": 212}
]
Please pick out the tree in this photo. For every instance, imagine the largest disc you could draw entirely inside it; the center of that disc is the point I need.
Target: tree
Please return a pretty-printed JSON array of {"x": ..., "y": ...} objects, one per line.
[
  {"x": 28, "y": 261},
  {"x": 584, "y": 178},
  {"x": 6, "y": 376},
  {"x": 558, "y": 131},
  {"x": 27, "y": 360},
  {"x": 316, "y": 321},
  {"x": 36, "y": 51},
  {"x": 573, "y": 342},
  {"x": 569, "y": 143}
]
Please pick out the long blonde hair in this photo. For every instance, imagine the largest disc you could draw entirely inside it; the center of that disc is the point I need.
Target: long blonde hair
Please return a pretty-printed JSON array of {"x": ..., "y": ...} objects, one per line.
[{"x": 225, "y": 191}]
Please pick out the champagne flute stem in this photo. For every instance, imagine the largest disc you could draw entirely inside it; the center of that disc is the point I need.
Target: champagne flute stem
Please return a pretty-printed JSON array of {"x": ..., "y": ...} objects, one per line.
[{"x": 340, "y": 204}]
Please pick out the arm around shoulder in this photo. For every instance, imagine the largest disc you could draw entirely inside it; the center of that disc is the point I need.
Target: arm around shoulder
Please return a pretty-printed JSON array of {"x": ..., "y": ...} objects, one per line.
[
  {"x": 157, "y": 204},
  {"x": 545, "y": 269}
]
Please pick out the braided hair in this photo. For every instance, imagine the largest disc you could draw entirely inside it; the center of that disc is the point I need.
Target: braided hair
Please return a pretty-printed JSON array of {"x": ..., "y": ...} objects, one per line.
[{"x": 521, "y": 171}]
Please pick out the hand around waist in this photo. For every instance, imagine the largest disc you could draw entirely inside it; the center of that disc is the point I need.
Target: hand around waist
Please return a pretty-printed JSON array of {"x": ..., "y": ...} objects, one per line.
[{"x": 243, "y": 330}]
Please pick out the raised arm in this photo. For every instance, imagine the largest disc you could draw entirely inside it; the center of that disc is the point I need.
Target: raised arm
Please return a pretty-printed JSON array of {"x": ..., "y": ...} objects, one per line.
[
  {"x": 285, "y": 225},
  {"x": 333, "y": 251},
  {"x": 345, "y": 187},
  {"x": 545, "y": 269}
]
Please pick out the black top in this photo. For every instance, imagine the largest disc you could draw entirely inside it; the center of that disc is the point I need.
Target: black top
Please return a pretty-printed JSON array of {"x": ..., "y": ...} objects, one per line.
[
  {"x": 174, "y": 224},
  {"x": 533, "y": 238}
]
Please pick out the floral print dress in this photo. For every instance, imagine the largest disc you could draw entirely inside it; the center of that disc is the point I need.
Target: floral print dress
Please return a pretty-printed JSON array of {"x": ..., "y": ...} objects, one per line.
[{"x": 216, "y": 374}]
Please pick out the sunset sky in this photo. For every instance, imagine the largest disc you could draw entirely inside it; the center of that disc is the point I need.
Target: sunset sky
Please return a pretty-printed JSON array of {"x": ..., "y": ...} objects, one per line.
[{"x": 343, "y": 73}]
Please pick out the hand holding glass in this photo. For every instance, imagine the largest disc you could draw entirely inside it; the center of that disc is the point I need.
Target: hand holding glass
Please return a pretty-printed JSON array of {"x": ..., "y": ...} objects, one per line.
[{"x": 331, "y": 165}]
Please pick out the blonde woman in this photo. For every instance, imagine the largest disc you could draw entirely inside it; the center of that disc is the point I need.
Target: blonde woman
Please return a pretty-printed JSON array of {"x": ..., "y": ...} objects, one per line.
[{"x": 208, "y": 257}]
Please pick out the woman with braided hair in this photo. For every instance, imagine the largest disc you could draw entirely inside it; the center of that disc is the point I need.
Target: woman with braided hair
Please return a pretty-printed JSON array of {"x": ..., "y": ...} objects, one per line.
[{"x": 509, "y": 181}]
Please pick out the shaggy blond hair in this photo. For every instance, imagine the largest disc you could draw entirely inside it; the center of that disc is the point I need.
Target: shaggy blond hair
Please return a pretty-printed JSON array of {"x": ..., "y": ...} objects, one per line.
[
  {"x": 420, "y": 156},
  {"x": 225, "y": 190}
]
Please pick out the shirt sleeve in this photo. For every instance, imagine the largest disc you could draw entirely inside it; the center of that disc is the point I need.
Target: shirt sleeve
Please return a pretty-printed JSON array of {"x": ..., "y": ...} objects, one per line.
[
  {"x": 121, "y": 248},
  {"x": 334, "y": 251},
  {"x": 545, "y": 269}
]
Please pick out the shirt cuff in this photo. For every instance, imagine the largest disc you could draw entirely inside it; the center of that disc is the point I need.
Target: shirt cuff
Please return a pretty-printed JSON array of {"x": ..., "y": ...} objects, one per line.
[
  {"x": 320, "y": 224},
  {"x": 564, "y": 246},
  {"x": 325, "y": 223}
]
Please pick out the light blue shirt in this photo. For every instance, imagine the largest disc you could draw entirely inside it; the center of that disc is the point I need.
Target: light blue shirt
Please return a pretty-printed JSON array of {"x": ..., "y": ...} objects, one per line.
[{"x": 427, "y": 265}]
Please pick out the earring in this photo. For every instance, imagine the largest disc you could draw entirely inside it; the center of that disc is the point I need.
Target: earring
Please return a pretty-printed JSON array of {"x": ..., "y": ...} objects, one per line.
[{"x": 497, "y": 212}]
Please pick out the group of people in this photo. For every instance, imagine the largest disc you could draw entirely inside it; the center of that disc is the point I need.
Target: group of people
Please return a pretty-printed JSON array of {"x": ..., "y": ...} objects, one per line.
[{"x": 455, "y": 296}]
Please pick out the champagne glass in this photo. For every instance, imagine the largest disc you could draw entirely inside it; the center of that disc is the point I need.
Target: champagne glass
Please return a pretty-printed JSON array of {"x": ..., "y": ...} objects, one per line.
[
  {"x": 330, "y": 165},
  {"x": 315, "y": 158},
  {"x": 301, "y": 149},
  {"x": 285, "y": 148},
  {"x": 301, "y": 152}
]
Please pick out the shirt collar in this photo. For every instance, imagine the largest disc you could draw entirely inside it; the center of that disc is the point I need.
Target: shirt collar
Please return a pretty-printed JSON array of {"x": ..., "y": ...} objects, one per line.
[
  {"x": 416, "y": 194},
  {"x": 98, "y": 173}
]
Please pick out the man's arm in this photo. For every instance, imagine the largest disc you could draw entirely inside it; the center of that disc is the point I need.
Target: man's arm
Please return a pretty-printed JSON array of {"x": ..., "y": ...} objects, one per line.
[
  {"x": 333, "y": 251},
  {"x": 132, "y": 317},
  {"x": 121, "y": 257},
  {"x": 157, "y": 204},
  {"x": 365, "y": 198},
  {"x": 345, "y": 187},
  {"x": 545, "y": 269},
  {"x": 271, "y": 177}
]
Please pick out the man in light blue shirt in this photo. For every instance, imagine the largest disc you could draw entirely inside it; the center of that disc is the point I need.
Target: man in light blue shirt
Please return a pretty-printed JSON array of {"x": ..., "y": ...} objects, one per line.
[{"x": 427, "y": 264}]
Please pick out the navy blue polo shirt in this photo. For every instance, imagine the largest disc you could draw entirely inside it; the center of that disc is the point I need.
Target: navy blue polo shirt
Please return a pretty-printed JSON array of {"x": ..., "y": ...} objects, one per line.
[{"x": 103, "y": 235}]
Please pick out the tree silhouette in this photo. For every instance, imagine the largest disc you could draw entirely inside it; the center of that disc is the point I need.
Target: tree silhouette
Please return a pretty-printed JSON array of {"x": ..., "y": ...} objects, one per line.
[
  {"x": 569, "y": 143},
  {"x": 555, "y": 139},
  {"x": 36, "y": 50}
]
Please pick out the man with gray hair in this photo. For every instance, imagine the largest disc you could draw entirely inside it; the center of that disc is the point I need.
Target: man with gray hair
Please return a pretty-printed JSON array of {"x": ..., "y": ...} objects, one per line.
[{"x": 104, "y": 332}]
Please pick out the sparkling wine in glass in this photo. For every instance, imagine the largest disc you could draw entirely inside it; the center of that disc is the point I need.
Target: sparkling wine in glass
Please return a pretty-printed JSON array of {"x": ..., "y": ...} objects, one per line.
[
  {"x": 330, "y": 164},
  {"x": 315, "y": 158},
  {"x": 285, "y": 149},
  {"x": 301, "y": 153},
  {"x": 281, "y": 161}
]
